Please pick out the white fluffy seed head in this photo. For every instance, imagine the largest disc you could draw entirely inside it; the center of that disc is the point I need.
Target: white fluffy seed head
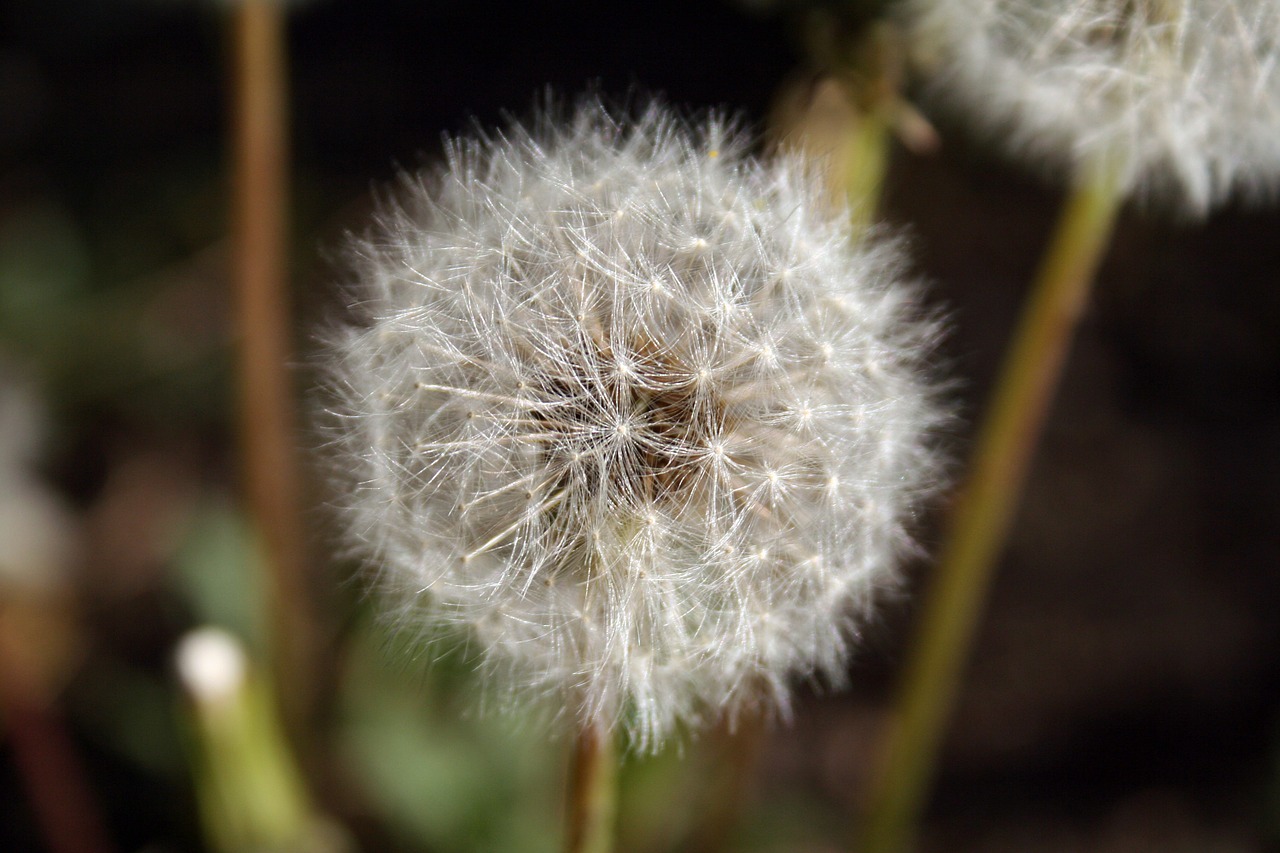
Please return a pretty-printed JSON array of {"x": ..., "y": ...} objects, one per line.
[
  {"x": 1181, "y": 97},
  {"x": 629, "y": 407}
]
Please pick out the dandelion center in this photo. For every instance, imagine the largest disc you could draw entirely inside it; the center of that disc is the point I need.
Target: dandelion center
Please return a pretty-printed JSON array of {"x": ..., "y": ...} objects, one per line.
[{"x": 663, "y": 415}]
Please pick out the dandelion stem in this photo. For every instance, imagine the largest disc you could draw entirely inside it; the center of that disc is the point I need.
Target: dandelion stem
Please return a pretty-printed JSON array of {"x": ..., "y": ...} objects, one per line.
[
  {"x": 868, "y": 161},
  {"x": 984, "y": 512},
  {"x": 873, "y": 83},
  {"x": 271, "y": 471},
  {"x": 846, "y": 123},
  {"x": 593, "y": 791},
  {"x": 250, "y": 791}
]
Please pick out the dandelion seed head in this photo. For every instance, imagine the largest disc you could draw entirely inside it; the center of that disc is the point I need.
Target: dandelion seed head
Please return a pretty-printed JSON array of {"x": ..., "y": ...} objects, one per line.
[
  {"x": 1180, "y": 97},
  {"x": 630, "y": 454}
]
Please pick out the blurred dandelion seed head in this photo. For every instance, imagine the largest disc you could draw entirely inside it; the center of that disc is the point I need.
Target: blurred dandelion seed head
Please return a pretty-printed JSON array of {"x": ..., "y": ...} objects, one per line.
[
  {"x": 1180, "y": 97},
  {"x": 628, "y": 405}
]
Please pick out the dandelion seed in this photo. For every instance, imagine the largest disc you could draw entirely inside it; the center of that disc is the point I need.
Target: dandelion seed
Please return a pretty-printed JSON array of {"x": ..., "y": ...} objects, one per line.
[
  {"x": 1181, "y": 98},
  {"x": 643, "y": 528}
]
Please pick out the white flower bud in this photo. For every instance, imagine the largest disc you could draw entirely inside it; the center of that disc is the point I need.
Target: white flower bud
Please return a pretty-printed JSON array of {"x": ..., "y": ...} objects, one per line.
[
  {"x": 630, "y": 407},
  {"x": 212, "y": 666},
  {"x": 1181, "y": 97}
]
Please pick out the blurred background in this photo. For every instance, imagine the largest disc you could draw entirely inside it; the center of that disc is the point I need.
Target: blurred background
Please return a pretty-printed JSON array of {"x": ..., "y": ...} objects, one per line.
[{"x": 1125, "y": 692}]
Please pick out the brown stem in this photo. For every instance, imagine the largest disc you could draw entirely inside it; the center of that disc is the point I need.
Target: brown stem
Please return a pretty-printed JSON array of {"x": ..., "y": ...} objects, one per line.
[
  {"x": 267, "y": 425},
  {"x": 593, "y": 786}
]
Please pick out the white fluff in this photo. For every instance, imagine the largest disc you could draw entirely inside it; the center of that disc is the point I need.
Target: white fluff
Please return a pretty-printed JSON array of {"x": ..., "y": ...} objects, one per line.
[
  {"x": 1181, "y": 97},
  {"x": 628, "y": 406}
]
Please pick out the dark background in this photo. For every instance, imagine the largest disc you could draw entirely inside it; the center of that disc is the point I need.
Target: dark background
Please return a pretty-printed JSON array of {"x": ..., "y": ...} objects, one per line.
[{"x": 1125, "y": 692}]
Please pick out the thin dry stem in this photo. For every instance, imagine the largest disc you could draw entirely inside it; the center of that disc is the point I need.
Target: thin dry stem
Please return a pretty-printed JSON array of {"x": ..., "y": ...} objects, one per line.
[
  {"x": 271, "y": 469},
  {"x": 593, "y": 789}
]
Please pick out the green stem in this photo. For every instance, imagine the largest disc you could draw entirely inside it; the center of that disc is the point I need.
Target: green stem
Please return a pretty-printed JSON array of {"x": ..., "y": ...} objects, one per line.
[
  {"x": 873, "y": 83},
  {"x": 249, "y": 789},
  {"x": 984, "y": 511},
  {"x": 868, "y": 159},
  {"x": 593, "y": 792}
]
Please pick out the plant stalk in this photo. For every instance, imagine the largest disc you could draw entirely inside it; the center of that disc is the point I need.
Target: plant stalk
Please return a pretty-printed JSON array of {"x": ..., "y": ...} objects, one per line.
[
  {"x": 593, "y": 791},
  {"x": 984, "y": 512},
  {"x": 267, "y": 420},
  {"x": 250, "y": 791},
  {"x": 868, "y": 153}
]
